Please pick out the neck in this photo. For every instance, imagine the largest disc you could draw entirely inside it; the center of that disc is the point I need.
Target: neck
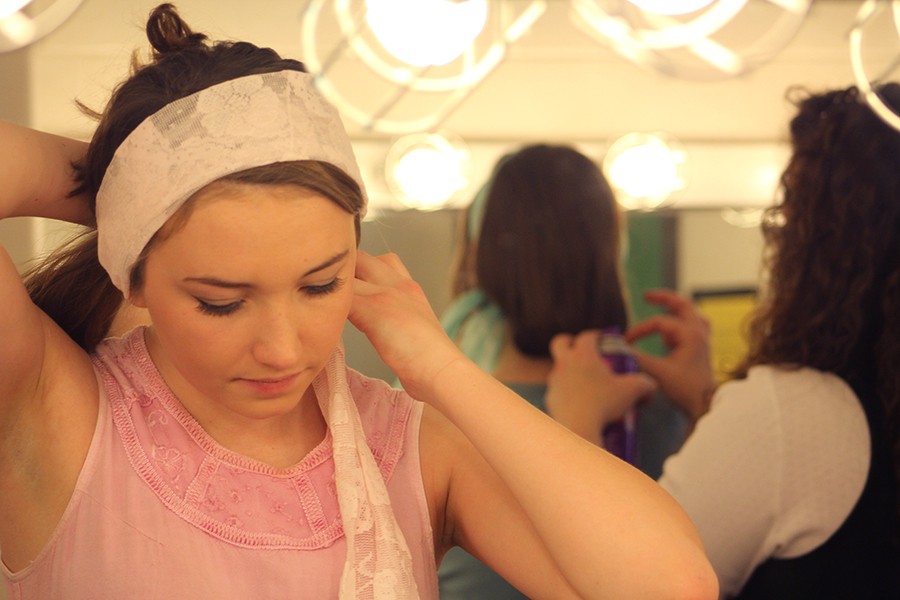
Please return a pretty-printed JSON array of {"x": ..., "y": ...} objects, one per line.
[
  {"x": 279, "y": 442},
  {"x": 279, "y": 439},
  {"x": 515, "y": 367}
]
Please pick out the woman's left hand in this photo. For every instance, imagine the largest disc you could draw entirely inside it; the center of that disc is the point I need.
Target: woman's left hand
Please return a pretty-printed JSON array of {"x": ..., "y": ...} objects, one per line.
[
  {"x": 583, "y": 393},
  {"x": 391, "y": 309}
]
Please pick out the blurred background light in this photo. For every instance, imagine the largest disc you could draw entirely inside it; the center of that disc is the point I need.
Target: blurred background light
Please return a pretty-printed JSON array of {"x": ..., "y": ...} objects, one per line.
[
  {"x": 743, "y": 217},
  {"x": 671, "y": 7},
  {"x": 422, "y": 58},
  {"x": 445, "y": 29},
  {"x": 644, "y": 169},
  {"x": 876, "y": 17},
  {"x": 23, "y": 22},
  {"x": 426, "y": 170}
]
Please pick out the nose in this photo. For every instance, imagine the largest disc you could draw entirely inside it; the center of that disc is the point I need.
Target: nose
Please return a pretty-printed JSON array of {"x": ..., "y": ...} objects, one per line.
[{"x": 277, "y": 340}]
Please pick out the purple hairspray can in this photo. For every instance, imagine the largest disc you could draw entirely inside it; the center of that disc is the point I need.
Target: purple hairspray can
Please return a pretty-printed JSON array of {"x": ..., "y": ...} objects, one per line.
[{"x": 620, "y": 437}]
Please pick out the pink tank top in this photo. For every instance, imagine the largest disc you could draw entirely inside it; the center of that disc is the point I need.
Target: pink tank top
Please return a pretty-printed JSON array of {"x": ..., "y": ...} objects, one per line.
[{"x": 161, "y": 511}]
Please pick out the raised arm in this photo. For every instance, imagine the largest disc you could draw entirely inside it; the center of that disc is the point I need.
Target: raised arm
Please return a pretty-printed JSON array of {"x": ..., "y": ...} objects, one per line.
[
  {"x": 36, "y": 178},
  {"x": 612, "y": 531},
  {"x": 39, "y": 364},
  {"x": 37, "y": 175}
]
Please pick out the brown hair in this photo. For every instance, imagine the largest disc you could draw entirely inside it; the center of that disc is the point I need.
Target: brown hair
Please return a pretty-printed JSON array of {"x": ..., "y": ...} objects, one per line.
[
  {"x": 548, "y": 250},
  {"x": 70, "y": 285},
  {"x": 832, "y": 299}
]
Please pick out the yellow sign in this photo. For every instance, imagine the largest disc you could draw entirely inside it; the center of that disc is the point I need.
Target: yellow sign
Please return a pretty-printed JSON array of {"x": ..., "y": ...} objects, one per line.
[{"x": 728, "y": 312}]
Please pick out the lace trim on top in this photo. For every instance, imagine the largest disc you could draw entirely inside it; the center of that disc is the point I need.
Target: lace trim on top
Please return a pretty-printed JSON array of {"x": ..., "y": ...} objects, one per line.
[{"x": 235, "y": 498}]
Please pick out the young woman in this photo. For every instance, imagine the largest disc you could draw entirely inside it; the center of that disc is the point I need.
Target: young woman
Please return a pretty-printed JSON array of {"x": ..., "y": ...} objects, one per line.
[
  {"x": 225, "y": 450},
  {"x": 791, "y": 472}
]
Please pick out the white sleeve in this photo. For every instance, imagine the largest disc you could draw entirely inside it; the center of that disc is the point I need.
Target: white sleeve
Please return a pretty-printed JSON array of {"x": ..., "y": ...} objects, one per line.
[
  {"x": 726, "y": 478},
  {"x": 772, "y": 470}
]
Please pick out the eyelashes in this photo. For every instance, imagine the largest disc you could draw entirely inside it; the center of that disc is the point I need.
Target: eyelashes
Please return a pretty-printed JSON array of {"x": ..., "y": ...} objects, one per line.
[
  {"x": 217, "y": 310},
  {"x": 221, "y": 310},
  {"x": 321, "y": 290}
]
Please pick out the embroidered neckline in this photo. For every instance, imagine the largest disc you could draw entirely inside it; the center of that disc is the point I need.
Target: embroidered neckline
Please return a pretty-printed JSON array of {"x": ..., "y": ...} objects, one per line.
[
  {"x": 164, "y": 395},
  {"x": 233, "y": 497}
]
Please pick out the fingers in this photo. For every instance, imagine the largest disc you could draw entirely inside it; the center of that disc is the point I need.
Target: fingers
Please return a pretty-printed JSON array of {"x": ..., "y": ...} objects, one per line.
[
  {"x": 588, "y": 339},
  {"x": 671, "y": 301},
  {"x": 681, "y": 321},
  {"x": 385, "y": 268},
  {"x": 649, "y": 364},
  {"x": 667, "y": 326},
  {"x": 648, "y": 326},
  {"x": 640, "y": 385},
  {"x": 560, "y": 344},
  {"x": 582, "y": 344}
]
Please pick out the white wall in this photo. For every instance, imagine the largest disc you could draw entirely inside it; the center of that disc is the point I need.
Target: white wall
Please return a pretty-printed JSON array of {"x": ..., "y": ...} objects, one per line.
[{"x": 713, "y": 254}]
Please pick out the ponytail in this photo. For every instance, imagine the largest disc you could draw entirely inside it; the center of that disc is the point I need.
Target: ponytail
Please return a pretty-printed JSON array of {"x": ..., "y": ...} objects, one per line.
[{"x": 72, "y": 288}]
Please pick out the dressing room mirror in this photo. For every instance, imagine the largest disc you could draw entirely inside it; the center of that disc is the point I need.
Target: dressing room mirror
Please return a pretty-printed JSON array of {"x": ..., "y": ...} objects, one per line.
[{"x": 555, "y": 83}]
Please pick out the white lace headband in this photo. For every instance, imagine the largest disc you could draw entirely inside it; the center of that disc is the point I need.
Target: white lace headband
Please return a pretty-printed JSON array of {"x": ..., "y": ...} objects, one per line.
[{"x": 242, "y": 123}]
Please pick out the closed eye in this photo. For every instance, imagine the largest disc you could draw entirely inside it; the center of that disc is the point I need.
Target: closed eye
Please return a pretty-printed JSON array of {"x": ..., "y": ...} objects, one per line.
[
  {"x": 217, "y": 310},
  {"x": 321, "y": 290}
]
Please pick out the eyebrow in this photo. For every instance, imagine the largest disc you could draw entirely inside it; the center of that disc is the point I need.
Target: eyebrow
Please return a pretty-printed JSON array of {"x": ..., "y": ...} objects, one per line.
[{"x": 234, "y": 285}]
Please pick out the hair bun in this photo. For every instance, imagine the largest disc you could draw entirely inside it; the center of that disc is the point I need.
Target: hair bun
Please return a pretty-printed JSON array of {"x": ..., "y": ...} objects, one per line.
[{"x": 167, "y": 31}]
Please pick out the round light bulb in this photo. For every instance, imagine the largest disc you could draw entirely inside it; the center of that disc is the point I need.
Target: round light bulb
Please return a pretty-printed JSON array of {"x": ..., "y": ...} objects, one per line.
[
  {"x": 18, "y": 29},
  {"x": 426, "y": 32},
  {"x": 8, "y": 7},
  {"x": 645, "y": 169},
  {"x": 426, "y": 171}
]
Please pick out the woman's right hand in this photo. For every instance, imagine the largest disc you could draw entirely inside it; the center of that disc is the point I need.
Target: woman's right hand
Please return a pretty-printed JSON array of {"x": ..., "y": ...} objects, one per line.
[{"x": 685, "y": 374}]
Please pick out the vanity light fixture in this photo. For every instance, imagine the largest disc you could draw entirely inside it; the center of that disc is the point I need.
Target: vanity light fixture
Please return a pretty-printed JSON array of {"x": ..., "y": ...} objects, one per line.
[
  {"x": 424, "y": 171},
  {"x": 412, "y": 85},
  {"x": 23, "y": 22},
  {"x": 644, "y": 169}
]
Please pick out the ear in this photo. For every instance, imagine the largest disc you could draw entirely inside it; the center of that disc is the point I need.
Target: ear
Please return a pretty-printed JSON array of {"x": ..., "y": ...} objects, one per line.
[
  {"x": 136, "y": 299},
  {"x": 131, "y": 314}
]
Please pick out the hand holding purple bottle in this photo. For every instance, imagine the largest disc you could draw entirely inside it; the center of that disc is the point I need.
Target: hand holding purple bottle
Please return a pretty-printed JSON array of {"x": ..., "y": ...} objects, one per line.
[{"x": 620, "y": 437}]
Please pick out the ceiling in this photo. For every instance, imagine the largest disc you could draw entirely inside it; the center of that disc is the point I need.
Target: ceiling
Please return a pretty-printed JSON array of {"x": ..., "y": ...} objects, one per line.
[{"x": 555, "y": 84}]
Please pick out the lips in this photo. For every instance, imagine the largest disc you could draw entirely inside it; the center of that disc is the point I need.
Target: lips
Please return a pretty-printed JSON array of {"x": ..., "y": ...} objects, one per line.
[{"x": 271, "y": 386}]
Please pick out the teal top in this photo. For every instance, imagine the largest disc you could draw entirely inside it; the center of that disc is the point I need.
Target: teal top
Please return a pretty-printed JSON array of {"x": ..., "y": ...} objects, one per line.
[{"x": 461, "y": 576}]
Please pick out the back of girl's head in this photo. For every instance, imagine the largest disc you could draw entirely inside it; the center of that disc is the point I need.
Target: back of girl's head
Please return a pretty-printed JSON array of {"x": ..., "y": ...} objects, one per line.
[{"x": 548, "y": 251}]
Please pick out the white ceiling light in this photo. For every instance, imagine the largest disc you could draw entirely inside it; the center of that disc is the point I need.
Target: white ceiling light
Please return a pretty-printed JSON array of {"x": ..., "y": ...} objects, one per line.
[
  {"x": 867, "y": 18},
  {"x": 745, "y": 218},
  {"x": 426, "y": 170},
  {"x": 21, "y": 24},
  {"x": 717, "y": 39},
  {"x": 671, "y": 7},
  {"x": 409, "y": 85},
  {"x": 8, "y": 7},
  {"x": 645, "y": 168},
  {"x": 426, "y": 32}
]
